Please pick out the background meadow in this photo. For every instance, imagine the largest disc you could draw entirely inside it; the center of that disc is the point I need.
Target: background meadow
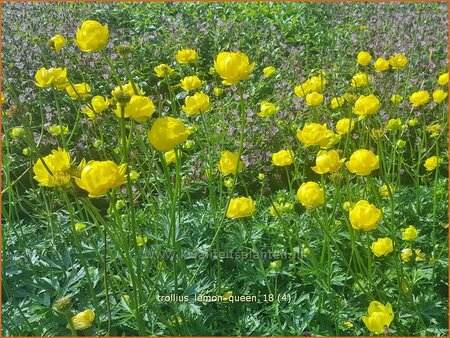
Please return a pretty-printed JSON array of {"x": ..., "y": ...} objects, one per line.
[{"x": 75, "y": 264}]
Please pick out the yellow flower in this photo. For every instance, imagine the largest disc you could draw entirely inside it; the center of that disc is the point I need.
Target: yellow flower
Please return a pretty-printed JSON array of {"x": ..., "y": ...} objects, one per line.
[
  {"x": 58, "y": 162},
  {"x": 313, "y": 134},
  {"x": 362, "y": 162},
  {"x": 443, "y": 79},
  {"x": 398, "y": 61},
  {"x": 413, "y": 122},
  {"x": 229, "y": 163},
  {"x": 311, "y": 195},
  {"x": 166, "y": 133},
  {"x": 396, "y": 99},
  {"x": 97, "y": 177},
  {"x": 196, "y": 104},
  {"x": 57, "y": 42},
  {"x": 56, "y": 130},
  {"x": 233, "y": 66},
  {"x": 439, "y": 95},
  {"x": 79, "y": 227},
  {"x": 171, "y": 157},
  {"x": 345, "y": 125},
  {"x": 362, "y": 28},
  {"x": 384, "y": 190},
  {"x": 268, "y": 109},
  {"x": 380, "y": 317},
  {"x": 314, "y": 99},
  {"x": 365, "y": 216},
  {"x": 313, "y": 84},
  {"x": 228, "y": 182},
  {"x": 3, "y": 98},
  {"x": 406, "y": 254},
  {"x": 363, "y": 58},
  {"x": 78, "y": 90},
  {"x": 360, "y": 80},
  {"x": 327, "y": 162},
  {"x": 409, "y": 234},
  {"x": 186, "y": 56},
  {"x": 99, "y": 103},
  {"x": 141, "y": 240},
  {"x": 92, "y": 36},
  {"x": 419, "y": 98},
  {"x": 337, "y": 102},
  {"x": 269, "y": 71},
  {"x": 140, "y": 108},
  {"x": 432, "y": 163},
  {"x": 366, "y": 105},
  {"x": 56, "y": 77},
  {"x": 190, "y": 83},
  {"x": 348, "y": 324},
  {"x": 394, "y": 124},
  {"x": 218, "y": 91},
  {"x": 83, "y": 320},
  {"x": 240, "y": 207},
  {"x": 381, "y": 65},
  {"x": 17, "y": 132},
  {"x": 127, "y": 88},
  {"x": 26, "y": 151},
  {"x": 261, "y": 176},
  {"x": 134, "y": 175},
  {"x": 163, "y": 70},
  {"x": 420, "y": 256},
  {"x": 382, "y": 247},
  {"x": 283, "y": 158},
  {"x": 278, "y": 208}
]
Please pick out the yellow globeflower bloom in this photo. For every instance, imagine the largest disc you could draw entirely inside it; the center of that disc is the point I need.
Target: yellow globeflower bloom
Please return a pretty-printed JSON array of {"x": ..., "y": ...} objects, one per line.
[
  {"x": 394, "y": 124},
  {"x": 327, "y": 162},
  {"x": 283, "y": 158},
  {"x": 43, "y": 78},
  {"x": 190, "y": 83},
  {"x": 314, "y": 99},
  {"x": 382, "y": 247},
  {"x": 443, "y": 79},
  {"x": 314, "y": 134},
  {"x": 420, "y": 256},
  {"x": 58, "y": 162},
  {"x": 56, "y": 130},
  {"x": 362, "y": 162},
  {"x": 363, "y": 58},
  {"x": 78, "y": 90},
  {"x": 97, "y": 177},
  {"x": 439, "y": 95},
  {"x": 384, "y": 190},
  {"x": 398, "y": 61},
  {"x": 381, "y": 65},
  {"x": 140, "y": 108},
  {"x": 269, "y": 71},
  {"x": 365, "y": 216},
  {"x": 17, "y": 132},
  {"x": 56, "y": 77},
  {"x": 186, "y": 56},
  {"x": 432, "y": 163},
  {"x": 229, "y": 163},
  {"x": 218, "y": 91},
  {"x": 409, "y": 233},
  {"x": 171, "y": 157},
  {"x": 127, "y": 88},
  {"x": 311, "y": 195},
  {"x": 406, "y": 255},
  {"x": 196, "y": 104},
  {"x": 57, "y": 42},
  {"x": 419, "y": 98},
  {"x": 240, "y": 207},
  {"x": 141, "y": 240},
  {"x": 233, "y": 66},
  {"x": 360, "y": 80},
  {"x": 396, "y": 99},
  {"x": 268, "y": 109},
  {"x": 337, "y": 102},
  {"x": 379, "y": 318},
  {"x": 79, "y": 227},
  {"x": 344, "y": 126},
  {"x": 163, "y": 70},
  {"x": 82, "y": 320},
  {"x": 92, "y": 36},
  {"x": 366, "y": 105},
  {"x": 166, "y": 133},
  {"x": 99, "y": 103}
]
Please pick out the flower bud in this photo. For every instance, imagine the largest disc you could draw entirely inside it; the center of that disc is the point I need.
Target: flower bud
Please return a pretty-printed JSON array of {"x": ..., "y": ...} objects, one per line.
[{"x": 62, "y": 305}]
